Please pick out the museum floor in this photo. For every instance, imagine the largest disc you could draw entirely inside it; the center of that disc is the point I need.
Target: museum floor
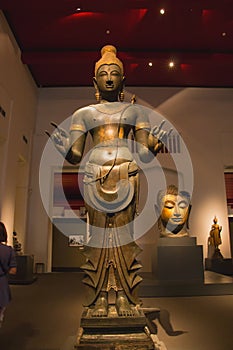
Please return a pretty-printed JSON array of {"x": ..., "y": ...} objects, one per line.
[{"x": 45, "y": 315}]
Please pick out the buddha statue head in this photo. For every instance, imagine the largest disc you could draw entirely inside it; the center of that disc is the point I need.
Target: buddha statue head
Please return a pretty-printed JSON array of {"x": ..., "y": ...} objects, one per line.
[
  {"x": 109, "y": 76},
  {"x": 174, "y": 210}
]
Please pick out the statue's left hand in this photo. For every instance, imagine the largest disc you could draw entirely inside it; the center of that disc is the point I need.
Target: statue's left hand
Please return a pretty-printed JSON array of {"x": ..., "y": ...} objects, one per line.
[{"x": 159, "y": 133}]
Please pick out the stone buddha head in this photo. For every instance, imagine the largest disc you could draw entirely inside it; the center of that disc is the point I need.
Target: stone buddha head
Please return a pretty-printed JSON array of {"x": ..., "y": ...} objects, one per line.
[{"x": 174, "y": 210}]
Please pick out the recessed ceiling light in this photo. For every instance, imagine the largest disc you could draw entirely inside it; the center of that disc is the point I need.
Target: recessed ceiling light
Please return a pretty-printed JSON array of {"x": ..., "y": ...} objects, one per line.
[
  {"x": 224, "y": 33},
  {"x": 162, "y": 11},
  {"x": 171, "y": 64},
  {"x": 150, "y": 64},
  {"x": 107, "y": 31}
]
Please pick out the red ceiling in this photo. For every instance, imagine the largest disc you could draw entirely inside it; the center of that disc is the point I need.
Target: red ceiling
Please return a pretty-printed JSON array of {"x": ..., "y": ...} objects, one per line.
[{"x": 60, "y": 44}]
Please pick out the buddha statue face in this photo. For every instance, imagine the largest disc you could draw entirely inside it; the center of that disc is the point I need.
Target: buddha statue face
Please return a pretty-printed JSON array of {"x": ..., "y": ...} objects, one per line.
[
  {"x": 109, "y": 78},
  {"x": 174, "y": 212},
  {"x": 109, "y": 75}
]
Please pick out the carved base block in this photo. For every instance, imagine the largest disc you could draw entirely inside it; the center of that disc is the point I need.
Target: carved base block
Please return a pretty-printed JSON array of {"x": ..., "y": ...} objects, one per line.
[
  {"x": 114, "y": 332},
  {"x": 181, "y": 262},
  {"x": 120, "y": 341}
]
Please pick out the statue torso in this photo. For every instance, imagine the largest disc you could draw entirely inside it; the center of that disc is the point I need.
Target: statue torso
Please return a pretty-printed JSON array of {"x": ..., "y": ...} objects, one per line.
[{"x": 109, "y": 125}]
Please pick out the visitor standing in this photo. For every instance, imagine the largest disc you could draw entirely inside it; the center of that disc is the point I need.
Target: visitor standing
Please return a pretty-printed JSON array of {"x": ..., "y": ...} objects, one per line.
[{"x": 7, "y": 266}]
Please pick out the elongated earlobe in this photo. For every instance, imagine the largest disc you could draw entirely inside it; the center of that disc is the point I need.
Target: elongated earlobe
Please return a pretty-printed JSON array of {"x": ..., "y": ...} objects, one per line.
[
  {"x": 121, "y": 93},
  {"x": 98, "y": 96},
  {"x": 97, "y": 93},
  {"x": 121, "y": 96}
]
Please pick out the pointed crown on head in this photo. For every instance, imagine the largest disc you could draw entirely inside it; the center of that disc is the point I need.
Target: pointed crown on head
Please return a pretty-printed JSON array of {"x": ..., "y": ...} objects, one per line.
[{"x": 108, "y": 53}]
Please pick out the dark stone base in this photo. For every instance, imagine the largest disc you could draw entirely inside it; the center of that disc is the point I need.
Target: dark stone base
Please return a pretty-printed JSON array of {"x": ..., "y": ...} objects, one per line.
[
  {"x": 114, "y": 332},
  {"x": 177, "y": 241},
  {"x": 179, "y": 261},
  {"x": 222, "y": 266}
]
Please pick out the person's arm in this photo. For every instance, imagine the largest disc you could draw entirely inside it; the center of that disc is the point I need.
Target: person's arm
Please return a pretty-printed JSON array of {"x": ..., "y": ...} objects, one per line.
[
  {"x": 12, "y": 270},
  {"x": 12, "y": 263}
]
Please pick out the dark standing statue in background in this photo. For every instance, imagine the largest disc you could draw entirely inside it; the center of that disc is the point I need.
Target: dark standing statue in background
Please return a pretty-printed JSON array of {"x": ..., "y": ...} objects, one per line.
[
  {"x": 110, "y": 184},
  {"x": 215, "y": 240}
]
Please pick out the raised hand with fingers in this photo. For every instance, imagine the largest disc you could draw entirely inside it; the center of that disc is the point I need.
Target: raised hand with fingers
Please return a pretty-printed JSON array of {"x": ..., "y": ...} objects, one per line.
[
  {"x": 159, "y": 133},
  {"x": 157, "y": 136},
  {"x": 60, "y": 139}
]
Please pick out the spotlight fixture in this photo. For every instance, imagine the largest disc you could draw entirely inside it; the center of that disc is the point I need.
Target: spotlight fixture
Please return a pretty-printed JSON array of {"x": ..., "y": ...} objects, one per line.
[
  {"x": 107, "y": 31},
  {"x": 150, "y": 64},
  {"x": 78, "y": 9},
  {"x": 162, "y": 11}
]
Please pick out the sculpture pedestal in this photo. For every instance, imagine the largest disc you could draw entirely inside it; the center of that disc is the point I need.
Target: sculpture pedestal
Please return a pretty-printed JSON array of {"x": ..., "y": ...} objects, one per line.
[
  {"x": 222, "y": 266},
  {"x": 24, "y": 273},
  {"x": 179, "y": 261},
  {"x": 114, "y": 332}
]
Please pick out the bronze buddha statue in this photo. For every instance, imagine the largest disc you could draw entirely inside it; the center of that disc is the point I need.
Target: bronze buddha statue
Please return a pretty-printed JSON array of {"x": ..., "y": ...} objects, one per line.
[{"x": 111, "y": 184}]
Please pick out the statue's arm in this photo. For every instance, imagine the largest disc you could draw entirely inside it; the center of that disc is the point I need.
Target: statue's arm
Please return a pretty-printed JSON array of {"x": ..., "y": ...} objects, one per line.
[
  {"x": 142, "y": 146},
  {"x": 149, "y": 144},
  {"x": 77, "y": 144},
  {"x": 77, "y": 136},
  {"x": 149, "y": 140},
  {"x": 154, "y": 143},
  {"x": 71, "y": 144}
]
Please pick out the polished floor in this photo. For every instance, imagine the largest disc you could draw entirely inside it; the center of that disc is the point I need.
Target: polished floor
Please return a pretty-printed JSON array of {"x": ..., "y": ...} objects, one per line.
[{"x": 45, "y": 316}]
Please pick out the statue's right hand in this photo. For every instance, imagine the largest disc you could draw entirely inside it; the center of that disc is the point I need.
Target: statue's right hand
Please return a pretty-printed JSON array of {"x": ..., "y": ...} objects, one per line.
[{"x": 60, "y": 139}]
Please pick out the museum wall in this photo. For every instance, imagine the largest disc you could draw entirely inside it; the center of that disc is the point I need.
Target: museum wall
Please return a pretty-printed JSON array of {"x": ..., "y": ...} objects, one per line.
[
  {"x": 18, "y": 101},
  {"x": 202, "y": 116}
]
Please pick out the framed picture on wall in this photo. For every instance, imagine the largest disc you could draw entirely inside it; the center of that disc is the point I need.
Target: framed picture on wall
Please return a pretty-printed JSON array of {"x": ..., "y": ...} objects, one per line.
[{"x": 76, "y": 240}]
